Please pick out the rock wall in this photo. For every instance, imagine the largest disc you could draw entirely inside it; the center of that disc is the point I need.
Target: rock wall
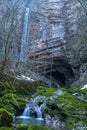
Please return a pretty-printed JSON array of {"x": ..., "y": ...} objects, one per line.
[
  {"x": 54, "y": 27},
  {"x": 56, "y": 38}
]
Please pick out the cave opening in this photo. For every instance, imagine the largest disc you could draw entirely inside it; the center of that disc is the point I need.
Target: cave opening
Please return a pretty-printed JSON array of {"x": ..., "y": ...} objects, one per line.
[{"x": 61, "y": 73}]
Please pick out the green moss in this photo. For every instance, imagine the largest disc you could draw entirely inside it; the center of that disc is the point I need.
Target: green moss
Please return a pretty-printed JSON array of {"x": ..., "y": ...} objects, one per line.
[
  {"x": 5, "y": 128},
  {"x": 67, "y": 105},
  {"x": 12, "y": 102},
  {"x": 31, "y": 127},
  {"x": 6, "y": 83},
  {"x": 71, "y": 106},
  {"x": 14, "y": 92},
  {"x": 78, "y": 90},
  {"x": 2, "y": 89},
  {"x": 25, "y": 88},
  {"x": 76, "y": 123},
  {"x": 13, "y": 85},
  {"x": 5, "y": 118},
  {"x": 22, "y": 127},
  {"x": 43, "y": 91},
  {"x": 36, "y": 127}
]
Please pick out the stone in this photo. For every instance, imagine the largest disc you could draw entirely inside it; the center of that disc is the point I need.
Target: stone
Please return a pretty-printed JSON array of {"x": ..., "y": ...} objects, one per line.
[{"x": 54, "y": 122}]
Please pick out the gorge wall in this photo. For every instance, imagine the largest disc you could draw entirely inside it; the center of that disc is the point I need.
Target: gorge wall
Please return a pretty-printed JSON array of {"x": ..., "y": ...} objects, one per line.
[
  {"x": 55, "y": 40},
  {"x": 56, "y": 45}
]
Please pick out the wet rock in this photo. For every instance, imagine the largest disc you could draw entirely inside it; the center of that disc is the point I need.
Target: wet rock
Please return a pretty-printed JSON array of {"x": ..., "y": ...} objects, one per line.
[{"x": 54, "y": 122}]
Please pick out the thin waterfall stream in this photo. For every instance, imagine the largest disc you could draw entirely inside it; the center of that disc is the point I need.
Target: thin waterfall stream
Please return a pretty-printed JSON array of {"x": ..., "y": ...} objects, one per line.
[
  {"x": 26, "y": 112},
  {"x": 24, "y": 35}
]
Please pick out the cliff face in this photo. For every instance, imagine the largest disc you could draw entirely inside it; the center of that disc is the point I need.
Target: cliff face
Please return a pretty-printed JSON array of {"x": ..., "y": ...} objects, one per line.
[
  {"x": 56, "y": 39},
  {"x": 55, "y": 44}
]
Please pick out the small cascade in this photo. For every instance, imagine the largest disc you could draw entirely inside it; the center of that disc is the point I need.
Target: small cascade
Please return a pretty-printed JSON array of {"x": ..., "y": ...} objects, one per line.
[
  {"x": 39, "y": 112},
  {"x": 33, "y": 111},
  {"x": 26, "y": 111},
  {"x": 24, "y": 36}
]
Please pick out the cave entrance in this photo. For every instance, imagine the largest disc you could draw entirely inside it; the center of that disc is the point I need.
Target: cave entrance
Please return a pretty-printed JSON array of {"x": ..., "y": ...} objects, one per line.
[{"x": 61, "y": 73}]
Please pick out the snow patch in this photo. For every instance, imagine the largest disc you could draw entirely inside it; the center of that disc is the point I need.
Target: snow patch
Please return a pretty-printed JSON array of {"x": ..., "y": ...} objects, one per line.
[
  {"x": 24, "y": 77},
  {"x": 84, "y": 87}
]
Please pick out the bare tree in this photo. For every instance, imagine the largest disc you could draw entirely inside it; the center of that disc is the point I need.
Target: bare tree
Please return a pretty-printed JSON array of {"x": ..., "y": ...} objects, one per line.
[{"x": 8, "y": 28}]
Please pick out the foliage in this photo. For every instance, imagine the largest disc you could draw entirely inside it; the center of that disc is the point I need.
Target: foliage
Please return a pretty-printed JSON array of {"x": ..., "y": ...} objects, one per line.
[
  {"x": 6, "y": 83},
  {"x": 26, "y": 88},
  {"x": 69, "y": 109},
  {"x": 11, "y": 101},
  {"x": 5, "y": 118},
  {"x": 36, "y": 127},
  {"x": 78, "y": 90},
  {"x": 5, "y": 128},
  {"x": 76, "y": 123},
  {"x": 31, "y": 127},
  {"x": 22, "y": 127},
  {"x": 71, "y": 106},
  {"x": 15, "y": 92},
  {"x": 44, "y": 91}
]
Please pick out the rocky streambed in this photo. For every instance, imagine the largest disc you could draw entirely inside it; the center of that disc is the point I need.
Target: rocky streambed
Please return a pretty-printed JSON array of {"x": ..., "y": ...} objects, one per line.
[
  {"x": 64, "y": 109},
  {"x": 60, "y": 108}
]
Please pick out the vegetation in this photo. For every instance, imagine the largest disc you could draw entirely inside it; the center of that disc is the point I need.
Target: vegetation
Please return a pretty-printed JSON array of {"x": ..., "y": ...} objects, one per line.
[
  {"x": 78, "y": 90},
  {"x": 76, "y": 123},
  {"x": 26, "y": 127},
  {"x": 45, "y": 91},
  {"x": 66, "y": 106},
  {"x": 31, "y": 127},
  {"x": 69, "y": 109},
  {"x": 5, "y": 118},
  {"x": 14, "y": 93},
  {"x": 5, "y": 128}
]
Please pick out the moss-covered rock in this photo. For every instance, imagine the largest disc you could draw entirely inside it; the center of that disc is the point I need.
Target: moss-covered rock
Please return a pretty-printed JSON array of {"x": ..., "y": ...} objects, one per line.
[
  {"x": 10, "y": 84},
  {"x": 5, "y": 118},
  {"x": 5, "y": 128},
  {"x": 12, "y": 102},
  {"x": 76, "y": 123},
  {"x": 36, "y": 127},
  {"x": 6, "y": 83},
  {"x": 31, "y": 127},
  {"x": 71, "y": 106},
  {"x": 26, "y": 88},
  {"x": 22, "y": 127},
  {"x": 2, "y": 89},
  {"x": 44, "y": 91},
  {"x": 69, "y": 109},
  {"x": 14, "y": 92},
  {"x": 78, "y": 90}
]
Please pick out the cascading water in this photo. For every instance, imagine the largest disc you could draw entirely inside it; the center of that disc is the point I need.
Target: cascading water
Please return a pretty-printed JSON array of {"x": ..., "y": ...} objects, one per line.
[
  {"x": 33, "y": 110},
  {"x": 32, "y": 114},
  {"x": 26, "y": 111},
  {"x": 39, "y": 112},
  {"x": 24, "y": 36}
]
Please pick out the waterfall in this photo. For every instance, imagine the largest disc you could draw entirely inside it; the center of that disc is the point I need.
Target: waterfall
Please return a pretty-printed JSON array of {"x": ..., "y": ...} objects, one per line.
[
  {"x": 37, "y": 109},
  {"x": 26, "y": 111},
  {"x": 24, "y": 36},
  {"x": 39, "y": 113},
  {"x": 33, "y": 109}
]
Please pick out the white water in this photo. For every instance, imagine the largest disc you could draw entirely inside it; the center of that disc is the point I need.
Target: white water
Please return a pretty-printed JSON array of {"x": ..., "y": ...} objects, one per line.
[
  {"x": 24, "y": 36},
  {"x": 26, "y": 112},
  {"x": 39, "y": 112}
]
